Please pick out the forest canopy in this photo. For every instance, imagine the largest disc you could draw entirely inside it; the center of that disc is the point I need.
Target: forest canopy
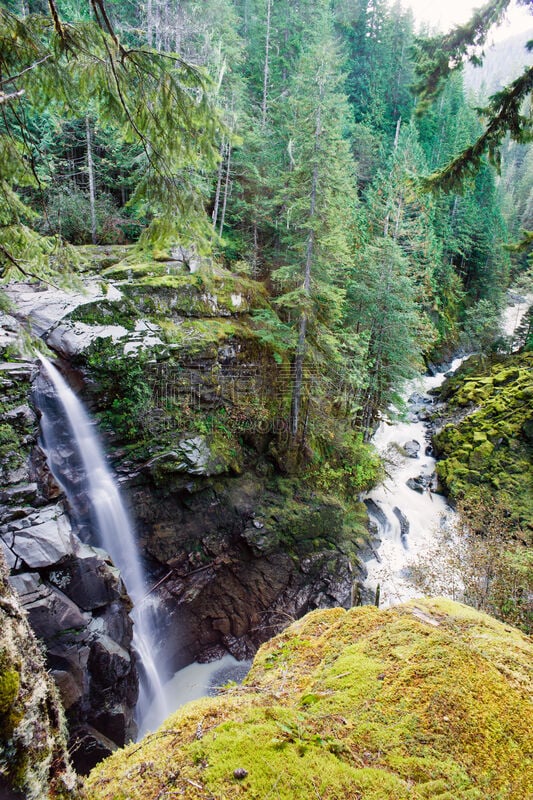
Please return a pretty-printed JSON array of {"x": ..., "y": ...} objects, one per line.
[{"x": 287, "y": 141}]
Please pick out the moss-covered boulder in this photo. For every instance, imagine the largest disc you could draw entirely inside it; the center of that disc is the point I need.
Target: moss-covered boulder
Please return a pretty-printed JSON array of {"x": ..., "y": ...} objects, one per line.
[
  {"x": 427, "y": 700},
  {"x": 486, "y": 448}
]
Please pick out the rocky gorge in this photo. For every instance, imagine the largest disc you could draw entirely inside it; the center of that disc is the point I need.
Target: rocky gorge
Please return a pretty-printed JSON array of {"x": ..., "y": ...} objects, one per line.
[
  {"x": 190, "y": 398},
  {"x": 171, "y": 360}
]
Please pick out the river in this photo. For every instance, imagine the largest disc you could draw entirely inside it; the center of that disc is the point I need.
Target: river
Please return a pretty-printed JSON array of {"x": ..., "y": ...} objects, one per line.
[{"x": 407, "y": 521}]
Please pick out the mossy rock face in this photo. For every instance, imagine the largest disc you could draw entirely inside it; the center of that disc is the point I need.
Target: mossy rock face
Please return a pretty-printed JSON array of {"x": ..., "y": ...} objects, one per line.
[
  {"x": 491, "y": 447},
  {"x": 427, "y": 700},
  {"x": 34, "y": 761}
]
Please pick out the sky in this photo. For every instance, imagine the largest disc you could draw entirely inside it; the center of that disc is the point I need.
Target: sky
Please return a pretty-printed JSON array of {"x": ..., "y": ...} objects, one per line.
[{"x": 444, "y": 14}]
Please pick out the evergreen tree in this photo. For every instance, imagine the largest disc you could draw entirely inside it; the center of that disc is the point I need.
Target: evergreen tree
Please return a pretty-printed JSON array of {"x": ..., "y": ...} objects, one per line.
[
  {"x": 318, "y": 201},
  {"x": 161, "y": 103}
]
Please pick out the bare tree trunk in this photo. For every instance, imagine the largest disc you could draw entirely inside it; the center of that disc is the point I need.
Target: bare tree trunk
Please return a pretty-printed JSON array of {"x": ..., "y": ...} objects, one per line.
[
  {"x": 214, "y": 215},
  {"x": 300, "y": 350},
  {"x": 90, "y": 169},
  {"x": 397, "y": 133},
  {"x": 226, "y": 191},
  {"x": 394, "y": 148},
  {"x": 149, "y": 23},
  {"x": 255, "y": 251},
  {"x": 267, "y": 66}
]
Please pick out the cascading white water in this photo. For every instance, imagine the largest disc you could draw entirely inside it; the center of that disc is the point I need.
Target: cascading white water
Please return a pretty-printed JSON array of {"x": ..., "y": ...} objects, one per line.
[
  {"x": 113, "y": 531},
  {"x": 406, "y": 520}
]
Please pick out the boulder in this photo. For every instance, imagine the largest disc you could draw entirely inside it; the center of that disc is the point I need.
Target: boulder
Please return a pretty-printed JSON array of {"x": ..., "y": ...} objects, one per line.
[
  {"x": 412, "y": 448},
  {"x": 427, "y": 699},
  {"x": 45, "y": 541}
]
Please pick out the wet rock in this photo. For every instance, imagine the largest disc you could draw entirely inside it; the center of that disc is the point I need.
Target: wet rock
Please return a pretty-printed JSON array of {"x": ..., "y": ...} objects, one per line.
[
  {"x": 20, "y": 494},
  {"x": 423, "y": 483},
  {"x": 192, "y": 456},
  {"x": 89, "y": 748},
  {"x": 412, "y": 448},
  {"x": 404, "y": 524},
  {"x": 88, "y": 580},
  {"x": 50, "y": 611},
  {"x": 376, "y": 512}
]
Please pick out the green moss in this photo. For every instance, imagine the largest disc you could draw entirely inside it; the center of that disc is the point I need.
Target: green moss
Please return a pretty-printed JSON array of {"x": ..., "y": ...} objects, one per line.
[
  {"x": 106, "y": 312},
  {"x": 490, "y": 446},
  {"x": 431, "y": 699},
  {"x": 9, "y": 689}
]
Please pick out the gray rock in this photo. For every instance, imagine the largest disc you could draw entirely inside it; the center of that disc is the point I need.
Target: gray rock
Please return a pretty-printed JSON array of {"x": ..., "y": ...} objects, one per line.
[
  {"x": 43, "y": 544},
  {"x": 423, "y": 483},
  {"x": 50, "y": 612},
  {"x": 21, "y": 416},
  {"x": 192, "y": 456},
  {"x": 404, "y": 524},
  {"x": 25, "y": 493},
  {"x": 72, "y": 338},
  {"x": 412, "y": 448}
]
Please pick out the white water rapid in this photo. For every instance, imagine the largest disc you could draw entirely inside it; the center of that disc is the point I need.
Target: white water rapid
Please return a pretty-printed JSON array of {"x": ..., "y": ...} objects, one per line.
[
  {"x": 407, "y": 521},
  {"x": 113, "y": 531}
]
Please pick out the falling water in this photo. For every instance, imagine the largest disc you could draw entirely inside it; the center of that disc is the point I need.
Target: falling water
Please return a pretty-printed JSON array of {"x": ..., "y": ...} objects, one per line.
[{"x": 112, "y": 528}]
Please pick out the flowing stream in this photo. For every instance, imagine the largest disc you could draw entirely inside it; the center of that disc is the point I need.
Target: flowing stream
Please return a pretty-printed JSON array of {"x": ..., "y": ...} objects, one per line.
[
  {"x": 110, "y": 525},
  {"x": 407, "y": 518}
]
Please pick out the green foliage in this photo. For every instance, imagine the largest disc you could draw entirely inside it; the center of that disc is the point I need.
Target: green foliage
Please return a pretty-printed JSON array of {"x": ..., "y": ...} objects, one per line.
[
  {"x": 123, "y": 392},
  {"x": 504, "y": 114},
  {"x": 160, "y": 102},
  {"x": 481, "y": 325},
  {"x": 68, "y": 214}
]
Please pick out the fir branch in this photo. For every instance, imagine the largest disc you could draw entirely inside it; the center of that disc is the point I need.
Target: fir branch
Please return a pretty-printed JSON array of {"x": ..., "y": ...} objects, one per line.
[
  {"x": 439, "y": 56},
  {"x": 505, "y": 117},
  {"x": 6, "y": 98},
  {"x": 23, "y": 72},
  {"x": 12, "y": 260}
]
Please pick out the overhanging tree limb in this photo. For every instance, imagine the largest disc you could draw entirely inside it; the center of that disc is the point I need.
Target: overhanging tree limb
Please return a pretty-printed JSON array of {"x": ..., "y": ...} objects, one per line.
[
  {"x": 438, "y": 57},
  {"x": 504, "y": 116}
]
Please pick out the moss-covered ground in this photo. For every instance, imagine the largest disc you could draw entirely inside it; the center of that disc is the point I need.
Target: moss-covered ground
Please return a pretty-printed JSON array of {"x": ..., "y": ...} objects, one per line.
[{"x": 427, "y": 700}]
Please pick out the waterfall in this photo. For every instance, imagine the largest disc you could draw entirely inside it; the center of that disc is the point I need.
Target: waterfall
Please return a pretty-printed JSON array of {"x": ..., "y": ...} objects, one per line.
[{"x": 110, "y": 525}]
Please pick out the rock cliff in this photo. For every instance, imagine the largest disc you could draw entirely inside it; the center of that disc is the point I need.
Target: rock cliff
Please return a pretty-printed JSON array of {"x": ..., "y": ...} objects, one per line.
[
  {"x": 34, "y": 760},
  {"x": 74, "y": 598}
]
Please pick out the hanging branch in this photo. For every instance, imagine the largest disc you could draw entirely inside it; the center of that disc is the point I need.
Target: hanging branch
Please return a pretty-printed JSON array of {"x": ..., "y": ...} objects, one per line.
[
  {"x": 7, "y": 255},
  {"x": 505, "y": 117},
  {"x": 439, "y": 56},
  {"x": 6, "y": 98}
]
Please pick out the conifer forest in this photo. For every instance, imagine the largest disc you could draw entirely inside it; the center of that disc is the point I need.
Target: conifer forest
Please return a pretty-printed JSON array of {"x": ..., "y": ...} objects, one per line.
[{"x": 259, "y": 239}]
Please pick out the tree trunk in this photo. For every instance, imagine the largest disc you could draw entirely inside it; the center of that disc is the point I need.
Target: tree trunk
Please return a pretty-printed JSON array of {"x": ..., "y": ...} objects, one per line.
[
  {"x": 214, "y": 215},
  {"x": 90, "y": 169},
  {"x": 266, "y": 67},
  {"x": 149, "y": 23},
  {"x": 300, "y": 350},
  {"x": 226, "y": 191}
]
